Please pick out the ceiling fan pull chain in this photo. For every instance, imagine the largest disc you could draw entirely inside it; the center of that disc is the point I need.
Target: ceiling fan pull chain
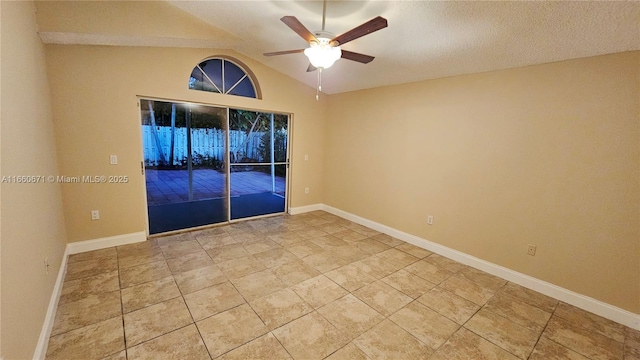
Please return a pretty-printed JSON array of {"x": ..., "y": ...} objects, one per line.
[{"x": 319, "y": 88}]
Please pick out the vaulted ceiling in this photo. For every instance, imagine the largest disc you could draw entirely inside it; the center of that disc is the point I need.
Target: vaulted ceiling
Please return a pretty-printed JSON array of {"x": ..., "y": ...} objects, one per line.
[{"x": 424, "y": 40}]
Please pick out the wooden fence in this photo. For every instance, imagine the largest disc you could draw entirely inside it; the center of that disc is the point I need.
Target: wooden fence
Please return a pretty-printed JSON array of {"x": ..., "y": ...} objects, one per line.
[{"x": 207, "y": 143}]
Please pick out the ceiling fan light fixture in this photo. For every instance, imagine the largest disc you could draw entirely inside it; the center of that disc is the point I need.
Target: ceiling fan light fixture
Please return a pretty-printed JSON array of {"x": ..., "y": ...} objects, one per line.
[{"x": 321, "y": 54}]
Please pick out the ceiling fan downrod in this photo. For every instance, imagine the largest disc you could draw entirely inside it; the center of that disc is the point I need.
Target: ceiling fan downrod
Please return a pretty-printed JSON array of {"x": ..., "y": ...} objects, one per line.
[
  {"x": 319, "y": 88},
  {"x": 324, "y": 12}
]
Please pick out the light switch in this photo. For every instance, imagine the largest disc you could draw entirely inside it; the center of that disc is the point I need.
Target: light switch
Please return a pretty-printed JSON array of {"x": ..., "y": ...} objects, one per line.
[{"x": 113, "y": 159}]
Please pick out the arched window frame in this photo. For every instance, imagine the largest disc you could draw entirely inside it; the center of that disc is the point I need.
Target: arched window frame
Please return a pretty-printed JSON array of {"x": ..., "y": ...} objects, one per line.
[{"x": 247, "y": 74}]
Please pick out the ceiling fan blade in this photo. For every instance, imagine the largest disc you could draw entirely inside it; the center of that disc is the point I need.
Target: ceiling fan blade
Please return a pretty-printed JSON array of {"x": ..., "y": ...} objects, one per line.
[
  {"x": 285, "y": 52},
  {"x": 311, "y": 68},
  {"x": 361, "y": 58},
  {"x": 370, "y": 26},
  {"x": 295, "y": 25}
]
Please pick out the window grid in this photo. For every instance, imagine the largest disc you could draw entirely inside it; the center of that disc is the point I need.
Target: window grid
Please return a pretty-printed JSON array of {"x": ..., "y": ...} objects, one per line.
[{"x": 222, "y": 88}]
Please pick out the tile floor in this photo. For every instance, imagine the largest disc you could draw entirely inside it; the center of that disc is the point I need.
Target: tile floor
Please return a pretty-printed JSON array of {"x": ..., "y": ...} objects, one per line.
[{"x": 310, "y": 286}]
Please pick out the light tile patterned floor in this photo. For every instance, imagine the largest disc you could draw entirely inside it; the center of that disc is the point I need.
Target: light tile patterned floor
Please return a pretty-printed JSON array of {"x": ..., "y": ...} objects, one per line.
[{"x": 310, "y": 286}]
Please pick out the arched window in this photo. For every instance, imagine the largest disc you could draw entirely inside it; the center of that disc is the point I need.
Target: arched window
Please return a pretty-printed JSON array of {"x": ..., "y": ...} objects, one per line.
[{"x": 224, "y": 76}]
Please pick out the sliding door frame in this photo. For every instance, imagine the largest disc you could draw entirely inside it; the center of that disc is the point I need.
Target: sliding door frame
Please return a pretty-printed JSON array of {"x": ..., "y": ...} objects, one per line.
[
  {"x": 286, "y": 163},
  {"x": 226, "y": 160}
]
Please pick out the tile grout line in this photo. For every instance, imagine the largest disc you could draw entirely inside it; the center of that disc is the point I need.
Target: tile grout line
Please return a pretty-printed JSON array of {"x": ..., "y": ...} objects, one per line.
[
  {"x": 588, "y": 329},
  {"x": 415, "y": 337},
  {"x": 195, "y": 324},
  {"x": 413, "y": 300},
  {"x": 541, "y": 334},
  {"x": 484, "y": 306},
  {"x": 124, "y": 334},
  {"x": 571, "y": 323},
  {"x": 461, "y": 326}
]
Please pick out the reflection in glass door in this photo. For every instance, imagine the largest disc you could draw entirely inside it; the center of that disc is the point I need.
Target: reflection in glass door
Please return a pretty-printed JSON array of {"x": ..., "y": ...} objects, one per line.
[
  {"x": 185, "y": 164},
  {"x": 206, "y": 165},
  {"x": 258, "y": 163}
]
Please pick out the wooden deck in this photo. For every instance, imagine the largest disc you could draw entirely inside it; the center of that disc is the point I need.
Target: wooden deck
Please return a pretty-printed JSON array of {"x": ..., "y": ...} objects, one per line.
[{"x": 172, "y": 186}]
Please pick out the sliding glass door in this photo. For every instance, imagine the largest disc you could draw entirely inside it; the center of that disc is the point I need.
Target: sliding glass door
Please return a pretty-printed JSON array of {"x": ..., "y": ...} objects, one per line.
[
  {"x": 185, "y": 164},
  {"x": 206, "y": 165},
  {"x": 258, "y": 162}
]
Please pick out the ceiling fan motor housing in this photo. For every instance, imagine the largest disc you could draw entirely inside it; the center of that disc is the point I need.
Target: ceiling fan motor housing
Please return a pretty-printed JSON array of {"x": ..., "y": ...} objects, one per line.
[{"x": 323, "y": 36}]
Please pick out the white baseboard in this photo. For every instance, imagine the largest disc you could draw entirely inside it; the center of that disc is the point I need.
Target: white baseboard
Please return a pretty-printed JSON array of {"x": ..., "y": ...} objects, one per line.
[
  {"x": 103, "y": 243},
  {"x": 304, "y": 209},
  {"x": 597, "y": 307},
  {"x": 43, "y": 340},
  {"x": 75, "y": 248}
]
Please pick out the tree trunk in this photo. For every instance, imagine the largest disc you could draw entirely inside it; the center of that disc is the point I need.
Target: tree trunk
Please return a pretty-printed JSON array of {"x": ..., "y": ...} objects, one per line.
[
  {"x": 173, "y": 132},
  {"x": 155, "y": 133},
  {"x": 247, "y": 138}
]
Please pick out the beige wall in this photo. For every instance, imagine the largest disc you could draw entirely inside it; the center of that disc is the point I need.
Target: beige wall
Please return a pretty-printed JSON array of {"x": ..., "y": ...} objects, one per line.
[
  {"x": 545, "y": 155},
  {"x": 126, "y": 21},
  {"x": 32, "y": 217},
  {"x": 94, "y": 96},
  {"x": 137, "y": 18}
]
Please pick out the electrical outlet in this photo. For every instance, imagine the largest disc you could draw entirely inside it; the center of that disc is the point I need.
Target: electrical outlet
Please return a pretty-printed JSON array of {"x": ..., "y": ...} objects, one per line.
[
  {"x": 531, "y": 250},
  {"x": 95, "y": 215},
  {"x": 430, "y": 219},
  {"x": 306, "y": 190}
]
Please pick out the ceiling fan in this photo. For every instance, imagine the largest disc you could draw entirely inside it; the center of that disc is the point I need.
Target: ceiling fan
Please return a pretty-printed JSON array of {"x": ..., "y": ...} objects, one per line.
[{"x": 324, "y": 47}]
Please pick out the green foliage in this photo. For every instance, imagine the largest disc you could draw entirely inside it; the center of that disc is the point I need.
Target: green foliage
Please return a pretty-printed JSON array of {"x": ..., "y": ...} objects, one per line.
[
  {"x": 244, "y": 120},
  {"x": 205, "y": 161},
  {"x": 209, "y": 117},
  {"x": 279, "y": 146},
  {"x": 202, "y": 117},
  {"x": 279, "y": 151},
  {"x": 251, "y": 122},
  {"x": 197, "y": 161}
]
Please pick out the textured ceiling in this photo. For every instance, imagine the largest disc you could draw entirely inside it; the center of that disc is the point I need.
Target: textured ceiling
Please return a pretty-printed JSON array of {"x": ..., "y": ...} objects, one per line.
[
  {"x": 427, "y": 39},
  {"x": 424, "y": 40}
]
